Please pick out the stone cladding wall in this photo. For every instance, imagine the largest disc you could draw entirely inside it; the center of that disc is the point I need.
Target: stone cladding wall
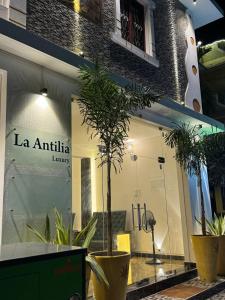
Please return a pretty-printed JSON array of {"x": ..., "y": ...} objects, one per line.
[{"x": 59, "y": 24}]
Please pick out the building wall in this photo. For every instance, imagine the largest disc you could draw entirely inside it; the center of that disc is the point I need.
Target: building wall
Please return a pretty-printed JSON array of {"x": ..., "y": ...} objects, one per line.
[
  {"x": 35, "y": 180},
  {"x": 141, "y": 181},
  {"x": 54, "y": 21}
]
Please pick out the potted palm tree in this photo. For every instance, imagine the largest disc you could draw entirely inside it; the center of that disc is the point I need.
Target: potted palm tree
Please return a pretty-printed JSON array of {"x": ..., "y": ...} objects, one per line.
[
  {"x": 190, "y": 154},
  {"x": 106, "y": 109},
  {"x": 215, "y": 155}
]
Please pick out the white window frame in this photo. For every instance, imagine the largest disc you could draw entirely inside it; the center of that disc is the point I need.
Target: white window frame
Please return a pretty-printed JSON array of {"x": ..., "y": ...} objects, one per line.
[
  {"x": 4, "y": 9},
  {"x": 149, "y": 54},
  {"x": 4, "y": 3}
]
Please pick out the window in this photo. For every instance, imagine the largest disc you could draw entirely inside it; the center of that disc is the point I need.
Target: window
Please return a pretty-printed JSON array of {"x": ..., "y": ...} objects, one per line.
[
  {"x": 135, "y": 28},
  {"x": 133, "y": 22},
  {"x": 4, "y": 9}
]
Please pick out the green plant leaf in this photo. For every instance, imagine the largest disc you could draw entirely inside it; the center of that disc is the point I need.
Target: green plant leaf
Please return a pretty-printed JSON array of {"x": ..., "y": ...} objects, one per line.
[
  {"x": 37, "y": 233},
  {"x": 97, "y": 270},
  {"x": 83, "y": 233},
  {"x": 216, "y": 226},
  {"x": 47, "y": 229},
  {"x": 90, "y": 235}
]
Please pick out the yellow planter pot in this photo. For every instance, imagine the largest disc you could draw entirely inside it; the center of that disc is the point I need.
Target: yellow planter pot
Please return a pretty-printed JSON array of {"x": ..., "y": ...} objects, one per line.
[
  {"x": 88, "y": 276},
  {"x": 206, "y": 253},
  {"x": 116, "y": 269},
  {"x": 221, "y": 256}
]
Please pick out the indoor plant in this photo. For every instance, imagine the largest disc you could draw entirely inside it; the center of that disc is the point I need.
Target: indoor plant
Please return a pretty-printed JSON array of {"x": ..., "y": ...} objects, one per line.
[
  {"x": 62, "y": 235},
  {"x": 190, "y": 154},
  {"x": 106, "y": 109}
]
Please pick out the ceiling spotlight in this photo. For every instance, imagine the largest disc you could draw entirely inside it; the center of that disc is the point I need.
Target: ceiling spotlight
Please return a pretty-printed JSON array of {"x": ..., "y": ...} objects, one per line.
[{"x": 44, "y": 92}]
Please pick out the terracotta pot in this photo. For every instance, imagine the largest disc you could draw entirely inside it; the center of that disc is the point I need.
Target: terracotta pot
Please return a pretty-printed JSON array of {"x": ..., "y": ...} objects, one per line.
[
  {"x": 221, "y": 256},
  {"x": 206, "y": 253},
  {"x": 116, "y": 269}
]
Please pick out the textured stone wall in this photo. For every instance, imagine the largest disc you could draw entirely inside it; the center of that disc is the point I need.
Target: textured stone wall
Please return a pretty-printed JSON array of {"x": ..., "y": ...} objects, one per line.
[{"x": 61, "y": 25}]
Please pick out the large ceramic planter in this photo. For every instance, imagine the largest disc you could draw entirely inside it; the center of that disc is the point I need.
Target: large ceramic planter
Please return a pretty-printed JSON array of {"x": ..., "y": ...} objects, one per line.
[
  {"x": 116, "y": 269},
  {"x": 206, "y": 253},
  {"x": 221, "y": 256}
]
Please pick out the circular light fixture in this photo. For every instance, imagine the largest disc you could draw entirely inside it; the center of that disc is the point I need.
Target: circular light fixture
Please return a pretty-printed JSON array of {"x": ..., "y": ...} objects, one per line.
[{"x": 44, "y": 92}]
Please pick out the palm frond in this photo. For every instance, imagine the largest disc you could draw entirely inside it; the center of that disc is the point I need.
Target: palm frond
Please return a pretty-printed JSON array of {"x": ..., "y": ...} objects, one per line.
[
  {"x": 215, "y": 156},
  {"x": 47, "y": 229},
  {"x": 106, "y": 109},
  {"x": 216, "y": 226},
  {"x": 90, "y": 235},
  {"x": 189, "y": 146},
  {"x": 81, "y": 236}
]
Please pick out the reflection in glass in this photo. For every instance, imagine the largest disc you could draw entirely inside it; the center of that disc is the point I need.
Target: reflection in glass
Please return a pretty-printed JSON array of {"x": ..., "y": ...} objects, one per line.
[{"x": 148, "y": 178}]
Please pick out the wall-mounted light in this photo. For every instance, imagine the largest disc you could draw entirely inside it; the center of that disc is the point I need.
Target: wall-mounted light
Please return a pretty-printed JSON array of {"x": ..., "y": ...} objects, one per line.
[
  {"x": 44, "y": 92},
  {"x": 194, "y": 2},
  {"x": 42, "y": 101},
  {"x": 199, "y": 43},
  {"x": 81, "y": 53},
  {"x": 130, "y": 145},
  {"x": 130, "y": 149}
]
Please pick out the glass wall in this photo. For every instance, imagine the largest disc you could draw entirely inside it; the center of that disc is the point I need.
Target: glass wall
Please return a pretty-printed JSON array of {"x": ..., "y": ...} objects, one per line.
[{"x": 148, "y": 179}]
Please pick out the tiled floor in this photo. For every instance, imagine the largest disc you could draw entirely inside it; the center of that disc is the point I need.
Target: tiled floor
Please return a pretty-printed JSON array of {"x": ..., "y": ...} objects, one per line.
[
  {"x": 186, "y": 290},
  {"x": 220, "y": 296}
]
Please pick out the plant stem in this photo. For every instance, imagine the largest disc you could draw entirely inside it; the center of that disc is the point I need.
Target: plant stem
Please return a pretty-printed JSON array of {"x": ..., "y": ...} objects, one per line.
[
  {"x": 203, "y": 221},
  {"x": 109, "y": 213}
]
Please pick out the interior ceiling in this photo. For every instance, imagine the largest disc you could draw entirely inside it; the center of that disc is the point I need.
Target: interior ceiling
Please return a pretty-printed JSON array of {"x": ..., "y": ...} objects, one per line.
[{"x": 203, "y": 13}]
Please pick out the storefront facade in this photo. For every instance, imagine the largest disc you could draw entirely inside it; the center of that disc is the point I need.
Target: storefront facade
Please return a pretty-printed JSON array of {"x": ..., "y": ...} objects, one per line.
[{"x": 47, "y": 157}]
